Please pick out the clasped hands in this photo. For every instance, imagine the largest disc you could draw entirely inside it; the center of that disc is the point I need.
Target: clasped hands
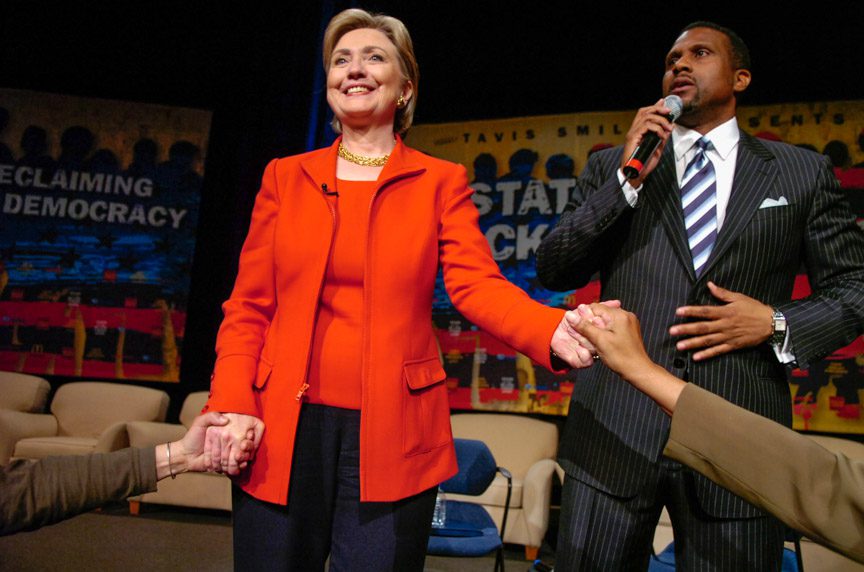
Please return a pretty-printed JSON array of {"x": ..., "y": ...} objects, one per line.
[
  {"x": 231, "y": 447},
  {"x": 738, "y": 321},
  {"x": 195, "y": 451}
]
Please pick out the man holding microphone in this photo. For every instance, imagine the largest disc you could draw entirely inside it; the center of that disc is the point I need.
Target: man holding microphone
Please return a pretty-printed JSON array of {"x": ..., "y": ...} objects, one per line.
[{"x": 702, "y": 239}]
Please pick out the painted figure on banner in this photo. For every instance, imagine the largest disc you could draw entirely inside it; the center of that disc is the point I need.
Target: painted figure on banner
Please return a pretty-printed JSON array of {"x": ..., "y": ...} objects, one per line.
[
  {"x": 76, "y": 144},
  {"x": 703, "y": 244},
  {"x": 34, "y": 150},
  {"x": 145, "y": 154},
  {"x": 860, "y": 142},
  {"x": 851, "y": 178},
  {"x": 485, "y": 173},
  {"x": 561, "y": 180},
  {"x": 104, "y": 161},
  {"x": 6, "y": 156},
  {"x": 327, "y": 346}
]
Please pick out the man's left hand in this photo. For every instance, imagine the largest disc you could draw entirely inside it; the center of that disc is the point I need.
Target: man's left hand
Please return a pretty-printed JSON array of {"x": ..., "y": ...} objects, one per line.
[{"x": 739, "y": 322}]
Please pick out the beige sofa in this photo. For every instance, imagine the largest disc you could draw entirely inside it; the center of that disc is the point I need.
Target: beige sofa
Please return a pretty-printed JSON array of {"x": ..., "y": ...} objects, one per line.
[
  {"x": 86, "y": 417},
  {"x": 20, "y": 395},
  {"x": 200, "y": 490},
  {"x": 527, "y": 448}
]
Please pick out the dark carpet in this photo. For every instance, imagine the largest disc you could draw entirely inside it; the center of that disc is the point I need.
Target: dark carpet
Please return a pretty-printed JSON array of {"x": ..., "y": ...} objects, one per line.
[{"x": 163, "y": 539}]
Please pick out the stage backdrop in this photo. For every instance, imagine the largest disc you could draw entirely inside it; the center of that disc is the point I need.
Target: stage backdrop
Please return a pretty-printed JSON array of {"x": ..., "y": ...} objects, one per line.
[
  {"x": 99, "y": 209},
  {"x": 524, "y": 171}
]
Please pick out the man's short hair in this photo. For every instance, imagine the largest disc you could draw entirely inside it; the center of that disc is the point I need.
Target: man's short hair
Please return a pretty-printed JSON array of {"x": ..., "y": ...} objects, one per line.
[{"x": 740, "y": 51}]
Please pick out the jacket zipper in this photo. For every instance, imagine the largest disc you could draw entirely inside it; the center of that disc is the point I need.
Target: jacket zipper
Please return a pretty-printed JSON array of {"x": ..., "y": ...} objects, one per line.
[{"x": 325, "y": 194}]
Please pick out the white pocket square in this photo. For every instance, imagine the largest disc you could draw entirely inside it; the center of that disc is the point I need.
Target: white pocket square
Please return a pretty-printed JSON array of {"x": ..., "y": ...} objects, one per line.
[{"x": 769, "y": 202}]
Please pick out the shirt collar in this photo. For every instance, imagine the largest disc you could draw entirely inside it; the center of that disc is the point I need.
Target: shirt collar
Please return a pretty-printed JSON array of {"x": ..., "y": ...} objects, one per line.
[{"x": 724, "y": 137}]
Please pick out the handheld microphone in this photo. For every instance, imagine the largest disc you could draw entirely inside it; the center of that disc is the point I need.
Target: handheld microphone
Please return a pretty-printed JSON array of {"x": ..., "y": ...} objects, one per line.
[{"x": 650, "y": 140}]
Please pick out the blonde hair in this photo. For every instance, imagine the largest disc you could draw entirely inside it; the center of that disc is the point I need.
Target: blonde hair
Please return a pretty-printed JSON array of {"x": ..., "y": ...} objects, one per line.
[{"x": 396, "y": 32}]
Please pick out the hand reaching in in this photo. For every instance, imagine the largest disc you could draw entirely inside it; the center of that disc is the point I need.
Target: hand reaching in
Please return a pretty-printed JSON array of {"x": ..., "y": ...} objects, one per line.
[{"x": 227, "y": 449}]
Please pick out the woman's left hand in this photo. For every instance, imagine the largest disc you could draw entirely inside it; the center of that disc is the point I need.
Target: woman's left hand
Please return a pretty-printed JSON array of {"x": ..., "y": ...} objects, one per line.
[
  {"x": 224, "y": 446},
  {"x": 570, "y": 345}
]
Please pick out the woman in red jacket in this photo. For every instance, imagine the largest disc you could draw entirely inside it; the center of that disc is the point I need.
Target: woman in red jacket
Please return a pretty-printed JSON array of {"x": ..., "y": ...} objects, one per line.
[{"x": 328, "y": 339}]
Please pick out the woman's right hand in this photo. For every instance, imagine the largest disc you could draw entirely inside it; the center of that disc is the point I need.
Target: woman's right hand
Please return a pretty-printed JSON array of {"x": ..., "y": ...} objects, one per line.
[{"x": 223, "y": 447}]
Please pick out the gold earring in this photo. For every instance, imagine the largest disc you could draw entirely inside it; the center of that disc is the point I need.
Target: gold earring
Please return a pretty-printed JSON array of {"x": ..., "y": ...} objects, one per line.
[{"x": 400, "y": 103}]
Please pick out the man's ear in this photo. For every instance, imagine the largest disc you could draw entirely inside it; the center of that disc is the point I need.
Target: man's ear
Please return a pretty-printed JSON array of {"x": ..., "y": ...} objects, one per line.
[{"x": 742, "y": 80}]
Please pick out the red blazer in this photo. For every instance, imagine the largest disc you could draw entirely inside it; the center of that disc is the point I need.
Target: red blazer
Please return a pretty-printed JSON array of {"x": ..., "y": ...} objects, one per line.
[{"x": 421, "y": 217}]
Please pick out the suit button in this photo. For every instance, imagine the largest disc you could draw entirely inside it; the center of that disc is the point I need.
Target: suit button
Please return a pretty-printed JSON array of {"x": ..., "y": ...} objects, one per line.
[{"x": 678, "y": 363}]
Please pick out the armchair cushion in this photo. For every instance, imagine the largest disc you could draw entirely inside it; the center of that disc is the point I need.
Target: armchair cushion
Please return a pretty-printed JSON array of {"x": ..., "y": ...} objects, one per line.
[
  {"x": 87, "y": 408},
  {"x": 151, "y": 433},
  {"x": 91, "y": 417},
  {"x": 51, "y": 445},
  {"x": 22, "y": 392},
  {"x": 15, "y": 425},
  {"x": 192, "y": 406},
  {"x": 470, "y": 531}
]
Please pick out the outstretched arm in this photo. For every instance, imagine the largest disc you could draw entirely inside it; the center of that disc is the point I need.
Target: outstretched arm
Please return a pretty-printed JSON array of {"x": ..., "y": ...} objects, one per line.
[{"x": 37, "y": 493}]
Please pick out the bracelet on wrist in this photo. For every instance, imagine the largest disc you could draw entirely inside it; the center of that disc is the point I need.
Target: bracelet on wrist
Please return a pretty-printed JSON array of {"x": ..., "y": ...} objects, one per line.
[{"x": 168, "y": 454}]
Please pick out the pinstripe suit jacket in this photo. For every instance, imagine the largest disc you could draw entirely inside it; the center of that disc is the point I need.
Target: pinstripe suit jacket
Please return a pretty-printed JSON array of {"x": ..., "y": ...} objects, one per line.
[{"x": 615, "y": 434}]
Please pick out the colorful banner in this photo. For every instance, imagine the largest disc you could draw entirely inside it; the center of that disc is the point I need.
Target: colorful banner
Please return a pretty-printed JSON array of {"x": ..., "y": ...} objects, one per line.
[
  {"x": 524, "y": 171},
  {"x": 100, "y": 205}
]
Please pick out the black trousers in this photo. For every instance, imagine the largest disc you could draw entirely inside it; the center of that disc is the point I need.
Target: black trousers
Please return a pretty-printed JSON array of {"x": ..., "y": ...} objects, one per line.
[
  {"x": 324, "y": 516},
  {"x": 606, "y": 533}
]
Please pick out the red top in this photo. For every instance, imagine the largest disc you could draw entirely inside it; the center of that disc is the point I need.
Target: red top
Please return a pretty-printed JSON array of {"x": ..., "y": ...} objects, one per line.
[{"x": 334, "y": 368}]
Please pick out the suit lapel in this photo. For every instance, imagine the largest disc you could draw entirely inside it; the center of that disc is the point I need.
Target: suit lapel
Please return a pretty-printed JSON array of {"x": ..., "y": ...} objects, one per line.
[
  {"x": 755, "y": 172},
  {"x": 663, "y": 196},
  {"x": 321, "y": 167},
  {"x": 402, "y": 163}
]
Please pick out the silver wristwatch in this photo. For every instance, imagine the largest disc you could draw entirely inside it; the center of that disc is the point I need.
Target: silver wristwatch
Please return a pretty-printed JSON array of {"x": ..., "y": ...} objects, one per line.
[{"x": 778, "y": 326}]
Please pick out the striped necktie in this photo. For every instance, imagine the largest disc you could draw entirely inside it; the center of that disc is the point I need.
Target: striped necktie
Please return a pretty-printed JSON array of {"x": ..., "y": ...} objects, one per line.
[{"x": 699, "y": 200}]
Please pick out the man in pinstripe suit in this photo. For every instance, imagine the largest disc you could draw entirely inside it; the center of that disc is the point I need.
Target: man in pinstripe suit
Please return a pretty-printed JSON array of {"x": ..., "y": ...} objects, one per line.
[{"x": 720, "y": 325}]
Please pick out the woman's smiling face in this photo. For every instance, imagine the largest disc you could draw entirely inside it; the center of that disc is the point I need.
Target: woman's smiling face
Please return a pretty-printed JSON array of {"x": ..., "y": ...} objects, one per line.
[{"x": 365, "y": 79}]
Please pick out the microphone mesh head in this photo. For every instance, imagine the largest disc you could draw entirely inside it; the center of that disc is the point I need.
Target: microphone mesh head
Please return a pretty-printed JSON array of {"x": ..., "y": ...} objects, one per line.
[{"x": 675, "y": 105}]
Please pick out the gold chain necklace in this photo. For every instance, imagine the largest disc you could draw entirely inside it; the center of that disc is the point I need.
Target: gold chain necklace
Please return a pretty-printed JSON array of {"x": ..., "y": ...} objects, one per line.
[{"x": 362, "y": 160}]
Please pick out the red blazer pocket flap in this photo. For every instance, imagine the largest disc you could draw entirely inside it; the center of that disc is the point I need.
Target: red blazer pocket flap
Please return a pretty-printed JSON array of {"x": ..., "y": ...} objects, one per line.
[
  {"x": 424, "y": 373},
  {"x": 263, "y": 374}
]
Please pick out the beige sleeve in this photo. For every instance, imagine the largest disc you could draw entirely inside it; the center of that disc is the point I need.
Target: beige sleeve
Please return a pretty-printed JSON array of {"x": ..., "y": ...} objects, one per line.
[
  {"x": 809, "y": 488},
  {"x": 36, "y": 493}
]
